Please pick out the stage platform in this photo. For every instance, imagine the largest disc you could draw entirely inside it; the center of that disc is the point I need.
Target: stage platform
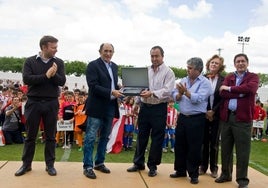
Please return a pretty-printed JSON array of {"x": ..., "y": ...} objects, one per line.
[{"x": 70, "y": 175}]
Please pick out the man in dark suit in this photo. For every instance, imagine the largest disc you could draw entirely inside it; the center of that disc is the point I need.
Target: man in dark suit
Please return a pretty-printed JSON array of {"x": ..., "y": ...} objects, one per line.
[
  {"x": 215, "y": 66},
  {"x": 101, "y": 108}
]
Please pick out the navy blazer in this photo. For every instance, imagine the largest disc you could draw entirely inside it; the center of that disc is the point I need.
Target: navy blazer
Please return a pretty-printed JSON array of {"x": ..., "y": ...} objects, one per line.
[{"x": 99, "y": 89}]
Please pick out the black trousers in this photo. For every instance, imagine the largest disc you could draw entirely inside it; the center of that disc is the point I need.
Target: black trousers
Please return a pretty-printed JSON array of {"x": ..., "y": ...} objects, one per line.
[
  {"x": 151, "y": 122},
  {"x": 34, "y": 111},
  {"x": 210, "y": 148},
  {"x": 189, "y": 136}
]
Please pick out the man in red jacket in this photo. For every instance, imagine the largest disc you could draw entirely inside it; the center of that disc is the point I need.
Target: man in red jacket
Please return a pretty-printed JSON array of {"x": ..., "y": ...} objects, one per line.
[{"x": 238, "y": 92}]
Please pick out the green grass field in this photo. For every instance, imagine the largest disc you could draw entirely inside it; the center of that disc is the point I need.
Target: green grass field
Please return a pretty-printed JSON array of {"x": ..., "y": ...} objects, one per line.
[{"x": 258, "y": 158}]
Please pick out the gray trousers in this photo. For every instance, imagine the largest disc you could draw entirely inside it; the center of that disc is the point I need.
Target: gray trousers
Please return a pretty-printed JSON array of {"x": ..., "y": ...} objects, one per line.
[{"x": 236, "y": 134}]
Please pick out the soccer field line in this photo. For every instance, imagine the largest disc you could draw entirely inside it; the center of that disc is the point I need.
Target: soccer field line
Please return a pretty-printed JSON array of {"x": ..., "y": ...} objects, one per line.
[{"x": 257, "y": 165}]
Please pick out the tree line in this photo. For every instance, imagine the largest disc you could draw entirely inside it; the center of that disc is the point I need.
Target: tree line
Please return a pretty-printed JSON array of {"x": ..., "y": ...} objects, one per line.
[{"x": 77, "y": 68}]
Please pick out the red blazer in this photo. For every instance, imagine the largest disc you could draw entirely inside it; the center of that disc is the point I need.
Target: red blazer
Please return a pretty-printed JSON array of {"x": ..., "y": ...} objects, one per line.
[{"x": 245, "y": 95}]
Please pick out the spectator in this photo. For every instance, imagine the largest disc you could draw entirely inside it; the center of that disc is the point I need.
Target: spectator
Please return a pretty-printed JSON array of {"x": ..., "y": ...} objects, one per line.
[
  {"x": 266, "y": 131},
  {"x": 11, "y": 129},
  {"x": 2, "y": 113},
  {"x": 79, "y": 118},
  {"x": 129, "y": 123},
  {"x": 172, "y": 117},
  {"x": 67, "y": 114},
  {"x": 258, "y": 121}
]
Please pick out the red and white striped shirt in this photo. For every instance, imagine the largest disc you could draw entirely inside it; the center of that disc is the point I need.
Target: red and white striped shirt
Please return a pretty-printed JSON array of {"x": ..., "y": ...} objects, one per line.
[
  {"x": 129, "y": 120},
  {"x": 171, "y": 116}
]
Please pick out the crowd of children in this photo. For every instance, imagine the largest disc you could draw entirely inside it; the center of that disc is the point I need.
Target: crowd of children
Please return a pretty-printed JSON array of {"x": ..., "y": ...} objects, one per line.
[
  {"x": 72, "y": 109},
  {"x": 12, "y": 100}
]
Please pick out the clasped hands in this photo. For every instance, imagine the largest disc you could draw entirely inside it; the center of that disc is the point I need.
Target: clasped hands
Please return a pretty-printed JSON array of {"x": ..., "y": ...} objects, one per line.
[
  {"x": 181, "y": 88},
  {"x": 52, "y": 70}
]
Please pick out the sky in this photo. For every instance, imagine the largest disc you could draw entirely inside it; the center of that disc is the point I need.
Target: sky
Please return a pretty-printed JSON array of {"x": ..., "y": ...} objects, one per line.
[{"x": 183, "y": 28}]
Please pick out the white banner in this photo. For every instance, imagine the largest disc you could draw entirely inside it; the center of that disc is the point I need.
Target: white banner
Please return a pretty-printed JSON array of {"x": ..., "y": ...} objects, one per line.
[
  {"x": 65, "y": 126},
  {"x": 258, "y": 124}
]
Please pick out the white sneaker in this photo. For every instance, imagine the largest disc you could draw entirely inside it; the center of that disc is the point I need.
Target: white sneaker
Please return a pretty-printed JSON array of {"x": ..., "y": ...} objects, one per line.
[
  {"x": 172, "y": 150},
  {"x": 65, "y": 147},
  {"x": 164, "y": 150}
]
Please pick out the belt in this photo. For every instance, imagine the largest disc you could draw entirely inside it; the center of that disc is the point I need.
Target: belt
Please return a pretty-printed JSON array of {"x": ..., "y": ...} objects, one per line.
[
  {"x": 193, "y": 115},
  {"x": 232, "y": 112},
  {"x": 153, "y": 105}
]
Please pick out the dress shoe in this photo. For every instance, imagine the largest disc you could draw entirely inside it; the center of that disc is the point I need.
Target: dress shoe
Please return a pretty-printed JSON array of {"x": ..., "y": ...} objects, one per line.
[
  {"x": 23, "y": 170},
  {"x": 243, "y": 186},
  {"x": 194, "y": 181},
  {"x": 103, "y": 169},
  {"x": 214, "y": 174},
  {"x": 90, "y": 173},
  {"x": 152, "y": 173},
  {"x": 177, "y": 175},
  {"x": 51, "y": 171},
  {"x": 223, "y": 179},
  {"x": 135, "y": 168}
]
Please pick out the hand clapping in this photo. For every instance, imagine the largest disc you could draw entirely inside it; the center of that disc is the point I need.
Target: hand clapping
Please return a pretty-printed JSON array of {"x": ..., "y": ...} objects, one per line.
[{"x": 52, "y": 70}]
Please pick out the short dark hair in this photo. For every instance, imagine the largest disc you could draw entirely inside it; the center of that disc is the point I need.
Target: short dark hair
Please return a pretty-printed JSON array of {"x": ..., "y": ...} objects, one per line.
[
  {"x": 239, "y": 55},
  {"x": 46, "y": 39},
  {"x": 82, "y": 93},
  {"x": 77, "y": 90},
  {"x": 160, "y": 48}
]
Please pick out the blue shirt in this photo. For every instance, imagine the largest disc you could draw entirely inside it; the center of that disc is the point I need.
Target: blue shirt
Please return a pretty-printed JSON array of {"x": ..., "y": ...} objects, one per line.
[
  {"x": 109, "y": 68},
  {"x": 233, "y": 102},
  {"x": 200, "y": 91}
]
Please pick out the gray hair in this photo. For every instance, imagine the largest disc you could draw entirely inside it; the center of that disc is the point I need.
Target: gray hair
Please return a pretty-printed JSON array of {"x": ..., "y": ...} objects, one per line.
[{"x": 197, "y": 63}]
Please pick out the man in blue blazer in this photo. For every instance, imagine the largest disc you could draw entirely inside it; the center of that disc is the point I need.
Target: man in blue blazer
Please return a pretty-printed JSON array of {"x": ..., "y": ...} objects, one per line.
[{"x": 101, "y": 108}]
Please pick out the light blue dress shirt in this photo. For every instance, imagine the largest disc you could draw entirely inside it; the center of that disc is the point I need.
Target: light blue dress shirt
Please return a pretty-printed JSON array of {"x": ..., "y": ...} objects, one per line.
[
  {"x": 109, "y": 68},
  {"x": 233, "y": 102},
  {"x": 200, "y": 91}
]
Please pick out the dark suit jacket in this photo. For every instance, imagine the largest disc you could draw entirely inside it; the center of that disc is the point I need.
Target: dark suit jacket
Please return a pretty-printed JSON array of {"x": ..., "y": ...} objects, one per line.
[
  {"x": 99, "y": 89},
  {"x": 217, "y": 99},
  {"x": 245, "y": 95}
]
